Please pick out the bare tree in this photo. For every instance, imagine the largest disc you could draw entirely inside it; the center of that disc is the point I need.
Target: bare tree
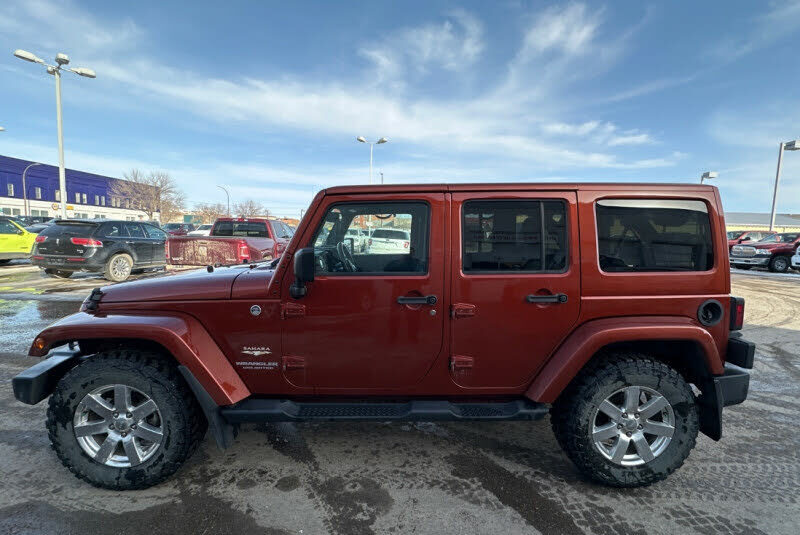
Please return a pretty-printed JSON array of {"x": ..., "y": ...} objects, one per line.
[
  {"x": 208, "y": 212},
  {"x": 250, "y": 208},
  {"x": 151, "y": 193}
]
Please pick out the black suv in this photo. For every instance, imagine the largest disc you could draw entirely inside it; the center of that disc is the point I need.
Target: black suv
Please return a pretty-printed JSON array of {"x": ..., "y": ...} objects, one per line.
[{"x": 116, "y": 248}]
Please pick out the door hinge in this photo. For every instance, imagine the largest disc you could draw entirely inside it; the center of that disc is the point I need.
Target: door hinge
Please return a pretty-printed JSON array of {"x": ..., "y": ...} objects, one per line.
[
  {"x": 292, "y": 310},
  {"x": 462, "y": 310},
  {"x": 461, "y": 362},
  {"x": 293, "y": 363}
]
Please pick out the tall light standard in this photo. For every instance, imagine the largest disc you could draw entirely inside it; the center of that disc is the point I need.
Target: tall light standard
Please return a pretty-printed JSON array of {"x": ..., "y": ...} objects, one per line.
[
  {"x": 788, "y": 145},
  {"x": 228, "y": 195},
  {"x": 61, "y": 61},
  {"x": 708, "y": 175},
  {"x": 371, "y": 145},
  {"x": 25, "y": 188}
]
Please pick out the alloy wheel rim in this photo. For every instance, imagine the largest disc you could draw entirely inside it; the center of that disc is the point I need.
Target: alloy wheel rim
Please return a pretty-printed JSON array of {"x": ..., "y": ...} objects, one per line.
[
  {"x": 781, "y": 264},
  {"x": 120, "y": 267},
  {"x": 632, "y": 426},
  {"x": 118, "y": 426}
]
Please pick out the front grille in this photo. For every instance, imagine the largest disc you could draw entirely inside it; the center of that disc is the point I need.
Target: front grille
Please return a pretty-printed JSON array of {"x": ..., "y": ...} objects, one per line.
[{"x": 743, "y": 250}]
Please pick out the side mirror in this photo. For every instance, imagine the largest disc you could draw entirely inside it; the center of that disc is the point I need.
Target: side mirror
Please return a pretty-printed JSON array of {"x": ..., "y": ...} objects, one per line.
[{"x": 303, "y": 272}]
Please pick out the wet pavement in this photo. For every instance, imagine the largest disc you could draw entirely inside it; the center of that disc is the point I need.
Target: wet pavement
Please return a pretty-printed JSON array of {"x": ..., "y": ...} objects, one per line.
[{"x": 363, "y": 478}]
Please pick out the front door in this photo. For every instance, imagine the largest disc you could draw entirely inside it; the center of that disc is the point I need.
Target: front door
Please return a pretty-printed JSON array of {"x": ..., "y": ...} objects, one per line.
[
  {"x": 516, "y": 284},
  {"x": 12, "y": 239},
  {"x": 373, "y": 317}
]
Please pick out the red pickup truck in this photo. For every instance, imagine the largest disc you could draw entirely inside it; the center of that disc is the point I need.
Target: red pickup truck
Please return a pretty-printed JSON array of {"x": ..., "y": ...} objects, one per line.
[
  {"x": 605, "y": 306},
  {"x": 773, "y": 252},
  {"x": 231, "y": 241}
]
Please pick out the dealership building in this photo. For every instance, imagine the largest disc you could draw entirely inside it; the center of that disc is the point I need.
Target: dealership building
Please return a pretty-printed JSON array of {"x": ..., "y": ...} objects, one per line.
[{"x": 89, "y": 196}]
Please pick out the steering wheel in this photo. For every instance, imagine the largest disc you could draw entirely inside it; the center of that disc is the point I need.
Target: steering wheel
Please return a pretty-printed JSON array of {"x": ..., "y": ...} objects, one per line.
[{"x": 346, "y": 257}]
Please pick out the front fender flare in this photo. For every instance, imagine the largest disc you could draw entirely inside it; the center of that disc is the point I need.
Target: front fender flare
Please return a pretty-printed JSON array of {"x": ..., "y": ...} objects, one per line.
[
  {"x": 182, "y": 335},
  {"x": 590, "y": 337}
]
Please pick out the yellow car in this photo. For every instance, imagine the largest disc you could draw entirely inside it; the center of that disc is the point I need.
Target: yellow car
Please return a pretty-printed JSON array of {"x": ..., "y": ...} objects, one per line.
[{"x": 15, "y": 241}]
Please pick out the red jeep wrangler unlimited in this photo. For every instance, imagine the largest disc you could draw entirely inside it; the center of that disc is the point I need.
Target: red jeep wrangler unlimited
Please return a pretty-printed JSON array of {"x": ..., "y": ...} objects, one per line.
[{"x": 598, "y": 303}]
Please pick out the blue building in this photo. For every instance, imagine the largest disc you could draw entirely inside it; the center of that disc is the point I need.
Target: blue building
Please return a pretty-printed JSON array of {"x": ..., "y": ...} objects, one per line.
[{"x": 88, "y": 195}]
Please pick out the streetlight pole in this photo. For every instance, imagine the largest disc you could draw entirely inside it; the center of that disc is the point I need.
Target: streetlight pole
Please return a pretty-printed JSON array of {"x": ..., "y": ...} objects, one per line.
[
  {"x": 61, "y": 61},
  {"x": 381, "y": 177},
  {"x": 25, "y": 189},
  {"x": 788, "y": 145},
  {"x": 708, "y": 175},
  {"x": 362, "y": 139},
  {"x": 227, "y": 194}
]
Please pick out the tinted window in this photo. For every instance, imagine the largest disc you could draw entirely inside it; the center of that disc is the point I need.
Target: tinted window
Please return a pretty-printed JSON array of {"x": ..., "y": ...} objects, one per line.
[
  {"x": 654, "y": 235},
  {"x": 114, "y": 230},
  {"x": 526, "y": 236},
  {"x": 155, "y": 233},
  {"x": 390, "y": 234},
  {"x": 247, "y": 229},
  {"x": 399, "y": 245},
  {"x": 134, "y": 230}
]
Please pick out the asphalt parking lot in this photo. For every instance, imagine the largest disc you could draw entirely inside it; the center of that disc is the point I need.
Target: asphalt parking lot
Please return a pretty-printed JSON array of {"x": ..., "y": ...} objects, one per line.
[{"x": 358, "y": 478}]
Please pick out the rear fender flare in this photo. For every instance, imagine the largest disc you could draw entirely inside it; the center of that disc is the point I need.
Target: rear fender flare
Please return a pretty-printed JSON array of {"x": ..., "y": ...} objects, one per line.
[
  {"x": 578, "y": 349},
  {"x": 182, "y": 335}
]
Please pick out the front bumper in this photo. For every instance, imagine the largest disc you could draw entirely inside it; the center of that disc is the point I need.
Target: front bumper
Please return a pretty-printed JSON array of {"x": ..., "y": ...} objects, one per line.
[
  {"x": 37, "y": 382},
  {"x": 796, "y": 261},
  {"x": 750, "y": 260}
]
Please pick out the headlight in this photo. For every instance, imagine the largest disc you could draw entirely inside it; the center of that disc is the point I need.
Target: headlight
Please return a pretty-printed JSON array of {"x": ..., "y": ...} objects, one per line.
[{"x": 763, "y": 252}]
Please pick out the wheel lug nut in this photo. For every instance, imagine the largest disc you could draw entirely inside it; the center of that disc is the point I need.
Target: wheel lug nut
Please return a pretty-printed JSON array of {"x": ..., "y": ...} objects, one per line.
[
  {"x": 640, "y": 427},
  {"x": 111, "y": 426},
  {"x": 126, "y": 434},
  {"x": 636, "y": 415},
  {"x": 628, "y": 433},
  {"x": 116, "y": 414},
  {"x": 619, "y": 426},
  {"x": 128, "y": 415},
  {"x": 133, "y": 426},
  {"x": 624, "y": 414}
]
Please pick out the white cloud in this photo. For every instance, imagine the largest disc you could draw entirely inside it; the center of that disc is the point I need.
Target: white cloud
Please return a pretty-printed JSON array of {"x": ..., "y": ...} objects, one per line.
[{"x": 781, "y": 20}]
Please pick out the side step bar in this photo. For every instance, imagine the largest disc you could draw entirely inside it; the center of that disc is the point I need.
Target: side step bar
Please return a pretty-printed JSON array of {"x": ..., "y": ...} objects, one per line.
[{"x": 280, "y": 410}]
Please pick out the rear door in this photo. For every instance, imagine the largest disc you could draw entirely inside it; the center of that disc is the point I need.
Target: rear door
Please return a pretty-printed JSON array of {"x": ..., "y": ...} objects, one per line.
[
  {"x": 515, "y": 284},
  {"x": 139, "y": 243}
]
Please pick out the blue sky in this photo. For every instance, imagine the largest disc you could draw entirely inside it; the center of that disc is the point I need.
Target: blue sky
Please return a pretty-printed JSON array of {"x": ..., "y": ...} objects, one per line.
[{"x": 268, "y": 97}]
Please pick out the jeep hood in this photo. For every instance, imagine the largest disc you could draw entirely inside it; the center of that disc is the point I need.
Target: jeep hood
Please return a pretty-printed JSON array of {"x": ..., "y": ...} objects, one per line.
[{"x": 197, "y": 285}]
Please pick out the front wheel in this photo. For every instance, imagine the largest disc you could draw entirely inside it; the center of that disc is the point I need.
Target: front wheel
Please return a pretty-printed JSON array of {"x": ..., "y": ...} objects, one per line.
[
  {"x": 628, "y": 422},
  {"x": 124, "y": 420},
  {"x": 779, "y": 264}
]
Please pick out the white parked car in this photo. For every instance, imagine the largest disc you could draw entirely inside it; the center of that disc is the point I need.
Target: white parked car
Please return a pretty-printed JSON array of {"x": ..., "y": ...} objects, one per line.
[
  {"x": 389, "y": 241},
  {"x": 202, "y": 230},
  {"x": 360, "y": 238},
  {"x": 796, "y": 259}
]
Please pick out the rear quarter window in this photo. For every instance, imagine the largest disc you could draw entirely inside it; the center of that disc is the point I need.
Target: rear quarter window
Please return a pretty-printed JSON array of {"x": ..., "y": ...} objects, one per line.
[{"x": 642, "y": 235}]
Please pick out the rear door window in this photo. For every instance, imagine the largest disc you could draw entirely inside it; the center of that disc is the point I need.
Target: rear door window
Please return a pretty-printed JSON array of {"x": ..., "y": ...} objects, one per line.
[
  {"x": 635, "y": 235},
  {"x": 114, "y": 230},
  {"x": 134, "y": 230},
  {"x": 522, "y": 236}
]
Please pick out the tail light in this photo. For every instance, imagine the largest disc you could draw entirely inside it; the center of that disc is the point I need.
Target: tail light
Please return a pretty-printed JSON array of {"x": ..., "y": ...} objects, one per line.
[
  {"x": 243, "y": 252},
  {"x": 737, "y": 313},
  {"x": 86, "y": 242},
  {"x": 405, "y": 245},
  {"x": 40, "y": 239}
]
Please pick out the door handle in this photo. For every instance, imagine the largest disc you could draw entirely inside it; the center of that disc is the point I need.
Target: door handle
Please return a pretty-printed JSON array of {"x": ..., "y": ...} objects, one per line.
[
  {"x": 423, "y": 300},
  {"x": 554, "y": 298}
]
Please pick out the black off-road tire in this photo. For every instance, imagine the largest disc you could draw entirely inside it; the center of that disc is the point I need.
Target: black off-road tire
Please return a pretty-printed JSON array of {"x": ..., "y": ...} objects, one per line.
[
  {"x": 572, "y": 414},
  {"x": 183, "y": 422},
  {"x": 58, "y": 273},
  {"x": 780, "y": 264}
]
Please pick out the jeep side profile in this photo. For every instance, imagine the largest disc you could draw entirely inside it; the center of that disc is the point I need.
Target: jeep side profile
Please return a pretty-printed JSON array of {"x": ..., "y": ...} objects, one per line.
[{"x": 605, "y": 306}]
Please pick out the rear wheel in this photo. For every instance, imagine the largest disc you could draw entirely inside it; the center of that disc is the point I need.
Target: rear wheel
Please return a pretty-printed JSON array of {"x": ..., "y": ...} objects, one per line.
[
  {"x": 124, "y": 420},
  {"x": 779, "y": 264},
  {"x": 58, "y": 273},
  {"x": 627, "y": 422},
  {"x": 6, "y": 261},
  {"x": 119, "y": 267}
]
